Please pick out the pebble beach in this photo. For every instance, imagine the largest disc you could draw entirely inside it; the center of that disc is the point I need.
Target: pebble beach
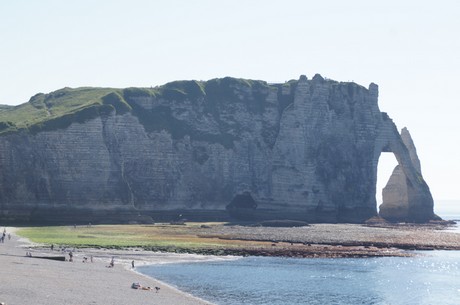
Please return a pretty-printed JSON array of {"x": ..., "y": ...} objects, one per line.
[{"x": 32, "y": 280}]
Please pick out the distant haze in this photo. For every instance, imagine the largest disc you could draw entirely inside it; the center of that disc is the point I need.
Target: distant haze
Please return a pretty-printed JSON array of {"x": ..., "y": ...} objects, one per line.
[{"x": 447, "y": 208}]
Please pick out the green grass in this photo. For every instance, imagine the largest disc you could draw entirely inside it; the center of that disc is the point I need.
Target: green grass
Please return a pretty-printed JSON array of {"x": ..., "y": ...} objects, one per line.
[
  {"x": 47, "y": 107},
  {"x": 181, "y": 90},
  {"x": 59, "y": 109}
]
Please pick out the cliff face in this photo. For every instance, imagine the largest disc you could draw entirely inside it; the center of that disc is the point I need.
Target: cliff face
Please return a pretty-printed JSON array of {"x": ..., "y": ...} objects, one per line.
[{"x": 306, "y": 149}]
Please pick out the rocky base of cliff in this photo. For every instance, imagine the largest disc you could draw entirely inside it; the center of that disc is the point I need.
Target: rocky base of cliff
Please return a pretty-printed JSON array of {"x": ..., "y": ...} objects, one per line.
[{"x": 70, "y": 216}]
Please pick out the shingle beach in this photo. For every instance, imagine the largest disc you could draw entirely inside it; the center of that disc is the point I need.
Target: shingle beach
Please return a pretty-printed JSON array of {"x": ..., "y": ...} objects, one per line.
[{"x": 31, "y": 280}]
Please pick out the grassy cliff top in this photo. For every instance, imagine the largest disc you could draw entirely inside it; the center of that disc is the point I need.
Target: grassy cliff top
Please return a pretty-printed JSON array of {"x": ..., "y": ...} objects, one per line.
[
  {"x": 60, "y": 108},
  {"x": 43, "y": 107}
]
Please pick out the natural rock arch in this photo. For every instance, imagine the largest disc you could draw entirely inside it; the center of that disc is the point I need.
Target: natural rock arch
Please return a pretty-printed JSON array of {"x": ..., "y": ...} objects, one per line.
[
  {"x": 406, "y": 196},
  {"x": 386, "y": 164},
  {"x": 304, "y": 149}
]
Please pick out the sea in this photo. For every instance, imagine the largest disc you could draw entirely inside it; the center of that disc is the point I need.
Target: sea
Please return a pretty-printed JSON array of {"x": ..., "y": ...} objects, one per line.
[{"x": 431, "y": 277}]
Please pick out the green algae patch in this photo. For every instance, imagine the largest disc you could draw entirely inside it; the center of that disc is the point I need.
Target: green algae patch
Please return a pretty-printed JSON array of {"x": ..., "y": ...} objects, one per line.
[{"x": 120, "y": 236}]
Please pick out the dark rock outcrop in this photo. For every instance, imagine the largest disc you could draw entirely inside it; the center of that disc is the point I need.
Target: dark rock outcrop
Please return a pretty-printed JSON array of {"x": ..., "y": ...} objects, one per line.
[
  {"x": 305, "y": 150},
  {"x": 242, "y": 206}
]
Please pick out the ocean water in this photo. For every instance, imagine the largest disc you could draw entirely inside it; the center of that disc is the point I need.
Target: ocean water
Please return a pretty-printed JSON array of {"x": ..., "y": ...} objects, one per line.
[
  {"x": 447, "y": 209},
  {"x": 431, "y": 278}
]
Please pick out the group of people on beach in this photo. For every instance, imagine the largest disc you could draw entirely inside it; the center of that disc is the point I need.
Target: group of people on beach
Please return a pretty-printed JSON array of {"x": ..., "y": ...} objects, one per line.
[{"x": 85, "y": 259}]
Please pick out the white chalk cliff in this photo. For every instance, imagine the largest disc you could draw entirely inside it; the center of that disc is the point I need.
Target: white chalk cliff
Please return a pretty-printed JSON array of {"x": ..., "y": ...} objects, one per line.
[{"x": 305, "y": 149}]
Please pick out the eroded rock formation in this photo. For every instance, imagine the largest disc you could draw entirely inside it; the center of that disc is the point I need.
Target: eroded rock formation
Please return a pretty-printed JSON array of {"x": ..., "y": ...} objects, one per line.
[
  {"x": 305, "y": 149},
  {"x": 401, "y": 201}
]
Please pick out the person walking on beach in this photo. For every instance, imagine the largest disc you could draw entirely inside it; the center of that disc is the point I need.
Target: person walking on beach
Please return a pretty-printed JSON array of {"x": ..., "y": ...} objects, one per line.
[
  {"x": 132, "y": 264},
  {"x": 70, "y": 256}
]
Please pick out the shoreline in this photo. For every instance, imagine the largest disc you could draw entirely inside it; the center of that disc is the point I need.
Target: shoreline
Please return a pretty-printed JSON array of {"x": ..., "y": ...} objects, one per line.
[
  {"x": 44, "y": 281},
  {"x": 33, "y": 280}
]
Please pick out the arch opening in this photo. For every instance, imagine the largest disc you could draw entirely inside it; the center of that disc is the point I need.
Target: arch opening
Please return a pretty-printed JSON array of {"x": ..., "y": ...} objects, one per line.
[{"x": 385, "y": 166}]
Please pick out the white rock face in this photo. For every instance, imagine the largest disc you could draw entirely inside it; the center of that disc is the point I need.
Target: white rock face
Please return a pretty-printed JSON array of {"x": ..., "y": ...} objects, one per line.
[
  {"x": 398, "y": 204},
  {"x": 306, "y": 149}
]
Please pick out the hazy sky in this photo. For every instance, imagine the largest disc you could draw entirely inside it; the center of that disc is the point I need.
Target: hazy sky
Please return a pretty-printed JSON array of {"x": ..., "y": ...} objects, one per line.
[{"x": 411, "y": 49}]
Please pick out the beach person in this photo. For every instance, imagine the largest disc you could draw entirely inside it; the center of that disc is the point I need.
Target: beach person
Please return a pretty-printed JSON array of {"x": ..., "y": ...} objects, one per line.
[
  {"x": 52, "y": 247},
  {"x": 91, "y": 258},
  {"x": 139, "y": 286},
  {"x": 132, "y": 264},
  {"x": 112, "y": 263},
  {"x": 70, "y": 256}
]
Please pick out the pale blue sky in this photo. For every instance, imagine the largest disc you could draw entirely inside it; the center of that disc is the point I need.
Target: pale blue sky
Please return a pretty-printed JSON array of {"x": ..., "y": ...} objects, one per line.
[{"x": 411, "y": 49}]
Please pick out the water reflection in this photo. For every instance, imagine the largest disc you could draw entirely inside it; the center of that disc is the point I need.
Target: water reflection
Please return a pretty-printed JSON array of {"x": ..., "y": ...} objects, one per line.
[{"x": 432, "y": 278}]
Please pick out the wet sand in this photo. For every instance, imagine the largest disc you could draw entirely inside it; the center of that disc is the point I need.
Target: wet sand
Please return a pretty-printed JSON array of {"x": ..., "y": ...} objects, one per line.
[{"x": 31, "y": 280}]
